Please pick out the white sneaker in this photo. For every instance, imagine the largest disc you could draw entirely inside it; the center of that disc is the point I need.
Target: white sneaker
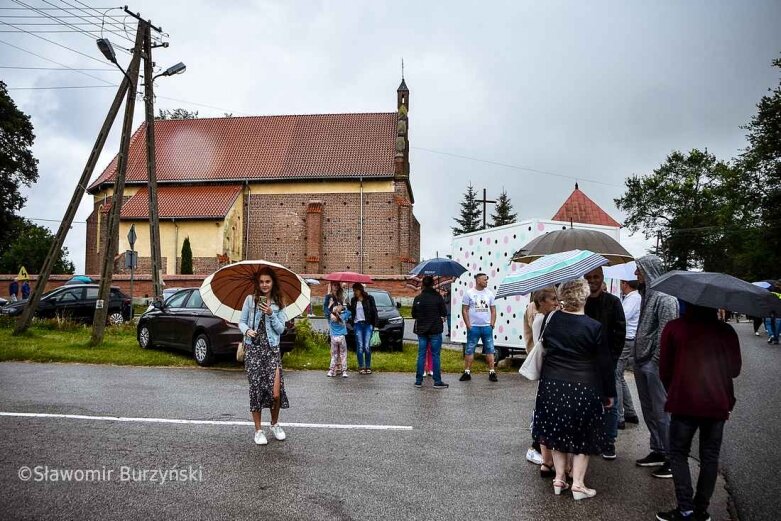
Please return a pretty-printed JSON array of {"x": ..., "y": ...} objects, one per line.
[
  {"x": 532, "y": 456},
  {"x": 329, "y": 374},
  {"x": 260, "y": 438},
  {"x": 278, "y": 433},
  {"x": 344, "y": 374}
]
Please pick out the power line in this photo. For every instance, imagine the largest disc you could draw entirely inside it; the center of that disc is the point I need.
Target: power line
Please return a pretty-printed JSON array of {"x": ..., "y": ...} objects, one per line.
[
  {"x": 63, "y": 87},
  {"x": 56, "y": 43},
  {"x": 56, "y": 63},
  {"x": 516, "y": 167},
  {"x": 81, "y": 10},
  {"x": 49, "y": 220},
  {"x": 54, "y": 69},
  {"x": 62, "y": 22}
]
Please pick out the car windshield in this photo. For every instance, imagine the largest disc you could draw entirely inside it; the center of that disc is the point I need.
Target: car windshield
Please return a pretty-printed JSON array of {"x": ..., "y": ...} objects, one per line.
[{"x": 382, "y": 299}]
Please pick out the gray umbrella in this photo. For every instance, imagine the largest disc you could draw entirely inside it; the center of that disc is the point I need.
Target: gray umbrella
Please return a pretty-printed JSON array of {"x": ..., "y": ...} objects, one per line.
[
  {"x": 718, "y": 290},
  {"x": 574, "y": 239}
]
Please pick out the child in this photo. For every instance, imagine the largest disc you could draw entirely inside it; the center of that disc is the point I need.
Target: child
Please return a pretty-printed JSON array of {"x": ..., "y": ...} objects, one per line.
[{"x": 337, "y": 319}]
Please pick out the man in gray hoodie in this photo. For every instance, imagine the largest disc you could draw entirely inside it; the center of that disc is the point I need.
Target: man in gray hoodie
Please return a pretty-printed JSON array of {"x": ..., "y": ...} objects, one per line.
[{"x": 656, "y": 310}]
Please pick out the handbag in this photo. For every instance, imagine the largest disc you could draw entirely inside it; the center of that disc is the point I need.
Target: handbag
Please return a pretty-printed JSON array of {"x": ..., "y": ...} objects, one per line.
[
  {"x": 240, "y": 352},
  {"x": 375, "y": 339},
  {"x": 532, "y": 366}
]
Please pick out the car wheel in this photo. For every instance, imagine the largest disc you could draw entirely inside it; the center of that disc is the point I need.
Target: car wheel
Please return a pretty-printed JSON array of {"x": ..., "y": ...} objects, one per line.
[
  {"x": 116, "y": 318},
  {"x": 144, "y": 337},
  {"x": 202, "y": 350}
]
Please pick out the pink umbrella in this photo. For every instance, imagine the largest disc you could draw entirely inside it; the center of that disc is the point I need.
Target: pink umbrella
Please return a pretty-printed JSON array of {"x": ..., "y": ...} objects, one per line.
[{"x": 348, "y": 276}]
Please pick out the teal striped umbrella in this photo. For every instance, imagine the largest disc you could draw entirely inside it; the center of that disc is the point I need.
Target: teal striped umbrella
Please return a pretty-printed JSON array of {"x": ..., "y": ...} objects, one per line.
[{"x": 548, "y": 270}]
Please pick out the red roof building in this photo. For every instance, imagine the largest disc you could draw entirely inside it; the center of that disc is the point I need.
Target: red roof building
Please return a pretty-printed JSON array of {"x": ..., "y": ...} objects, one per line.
[
  {"x": 579, "y": 208},
  {"x": 289, "y": 189}
]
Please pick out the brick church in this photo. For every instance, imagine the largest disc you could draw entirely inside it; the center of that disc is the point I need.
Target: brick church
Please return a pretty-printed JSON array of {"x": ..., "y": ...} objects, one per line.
[{"x": 316, "y": 193}]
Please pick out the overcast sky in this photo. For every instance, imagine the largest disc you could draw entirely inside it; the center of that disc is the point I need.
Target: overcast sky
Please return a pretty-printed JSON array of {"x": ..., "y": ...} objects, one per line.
[{"x": 592, "y": 90}]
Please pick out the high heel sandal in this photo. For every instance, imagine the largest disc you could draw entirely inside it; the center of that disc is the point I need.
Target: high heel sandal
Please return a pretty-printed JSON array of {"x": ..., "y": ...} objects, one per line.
[
  {"x": 579, "y": 493},
  {"x": 547, "y": 471},
  {"x": 559, "y": 485}
]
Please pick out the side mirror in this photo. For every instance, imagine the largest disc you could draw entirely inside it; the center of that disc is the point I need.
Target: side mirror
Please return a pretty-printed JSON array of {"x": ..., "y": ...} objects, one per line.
[
  {"x": 398, "y": 305},
  {"x": 157, "y": 304}
]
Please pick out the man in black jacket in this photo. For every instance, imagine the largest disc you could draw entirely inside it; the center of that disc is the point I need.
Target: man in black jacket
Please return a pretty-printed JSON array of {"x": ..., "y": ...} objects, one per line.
[
  {"x": 429, "y": 311},
  {"x": 607, "y": 310}
]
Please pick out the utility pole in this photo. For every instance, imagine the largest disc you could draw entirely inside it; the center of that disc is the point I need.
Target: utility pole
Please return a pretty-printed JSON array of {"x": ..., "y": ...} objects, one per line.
[
  {"x": 112, "y": 239},
  {"x": 485, "y": 202},
  {"x": 154, "y": 222},
  {"x": 70, "y": 213}
]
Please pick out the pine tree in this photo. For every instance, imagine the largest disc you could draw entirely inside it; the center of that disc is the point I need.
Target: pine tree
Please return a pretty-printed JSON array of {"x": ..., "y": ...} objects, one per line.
[
  {"x": 470, "y": 214},
  {"x": 504, "y": 210},
  {"x": 187, "y": 258}
]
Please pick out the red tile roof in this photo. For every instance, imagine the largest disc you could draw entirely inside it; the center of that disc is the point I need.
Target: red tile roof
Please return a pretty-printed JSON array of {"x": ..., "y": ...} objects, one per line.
[
  {"x": 184, "y": 202},
  {"x": 264, "y": 147},
  {"x": 580, "y": 209}
]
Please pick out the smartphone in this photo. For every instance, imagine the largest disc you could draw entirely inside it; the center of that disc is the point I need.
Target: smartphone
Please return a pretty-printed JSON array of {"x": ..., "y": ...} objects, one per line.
[{"x": 262, "y": 300}]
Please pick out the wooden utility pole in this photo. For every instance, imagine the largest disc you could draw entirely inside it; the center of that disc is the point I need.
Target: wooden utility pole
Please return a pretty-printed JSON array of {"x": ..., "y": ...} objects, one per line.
[
  {"x": 70, "y": 213},
  {"x": 154, "y": 222},
  {"x": 112, "y": 239},
  {"x": 485, "y": 202}
]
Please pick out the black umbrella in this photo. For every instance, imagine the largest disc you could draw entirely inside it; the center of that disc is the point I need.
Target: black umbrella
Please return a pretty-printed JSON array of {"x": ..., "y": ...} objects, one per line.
[
  {"x": 574, "y": 239},
  {"x": 718, "y": 290}
]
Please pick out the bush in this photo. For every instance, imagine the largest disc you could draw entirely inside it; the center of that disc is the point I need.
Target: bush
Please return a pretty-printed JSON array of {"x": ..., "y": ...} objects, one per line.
[{"x": 307, "y": 339}]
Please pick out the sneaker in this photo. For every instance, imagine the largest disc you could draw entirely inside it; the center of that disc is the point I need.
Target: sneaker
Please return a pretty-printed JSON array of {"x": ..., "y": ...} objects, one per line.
[
  {"x": 673, "y": 515},
  {"x": 492, "y": 376},
  {"x": 418, "y": 384},
  {"x": 663, "y": 472},
  {"x": 609, "y": 453},
  {"x": 329, "y": 374},
  {"x": 278, "y": 433},
  {"x": 756, "y": 333},
  {"x": 632, "y": 419},
  {"x": 344, "y": 374},
  {"x": 465, "y": 377},
  {"x": 654, "y": 459},
  {"x": 701, "y": 515},
  {"x": 532, "y": 456},
  {"x": 441, "y": 385},
  {"x": 260, "y": 438}
]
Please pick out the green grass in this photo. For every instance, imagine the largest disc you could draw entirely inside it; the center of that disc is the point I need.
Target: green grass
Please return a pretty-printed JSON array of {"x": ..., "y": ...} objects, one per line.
[
  {"x": 63, "y": 341},
  {"x": 405, "y": 311}
]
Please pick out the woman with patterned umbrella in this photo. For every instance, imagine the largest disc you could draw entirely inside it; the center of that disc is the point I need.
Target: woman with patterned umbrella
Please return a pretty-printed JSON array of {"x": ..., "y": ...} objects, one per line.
[{"x": 270, "y": 294}]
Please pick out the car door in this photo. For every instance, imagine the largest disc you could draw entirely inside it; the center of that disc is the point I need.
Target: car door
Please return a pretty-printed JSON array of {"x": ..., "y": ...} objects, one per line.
[
  {"x": 187, "y": 319},
  {"x": 169, "y": 315},
  {"x": 68, "y": 302},
  {"x": 87, "y": 308}
]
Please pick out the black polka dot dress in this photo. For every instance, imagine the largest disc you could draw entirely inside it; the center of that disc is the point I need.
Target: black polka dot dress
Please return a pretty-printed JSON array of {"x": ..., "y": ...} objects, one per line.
[{"x": 261, "y": 361}]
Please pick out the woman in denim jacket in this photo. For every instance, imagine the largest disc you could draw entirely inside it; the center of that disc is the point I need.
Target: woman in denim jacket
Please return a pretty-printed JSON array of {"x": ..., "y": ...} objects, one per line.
[{"x": 262, "y": 322}]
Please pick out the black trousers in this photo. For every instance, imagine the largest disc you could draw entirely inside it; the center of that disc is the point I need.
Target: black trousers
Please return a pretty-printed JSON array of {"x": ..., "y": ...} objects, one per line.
[{"x": 682, "y": 430}]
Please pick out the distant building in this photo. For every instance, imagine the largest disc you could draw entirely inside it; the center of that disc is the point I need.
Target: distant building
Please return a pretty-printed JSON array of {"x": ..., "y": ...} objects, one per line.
[
  {"x": 317, "y": 193},
  {"x": 579, "y": 208}
]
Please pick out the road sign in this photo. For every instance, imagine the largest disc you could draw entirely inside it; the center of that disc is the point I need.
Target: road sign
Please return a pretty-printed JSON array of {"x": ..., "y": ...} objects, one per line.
[
  {"x": 131, "y": 259},
  {"x": 131, "y": 236},
  {"x": 23, "y": 274}
]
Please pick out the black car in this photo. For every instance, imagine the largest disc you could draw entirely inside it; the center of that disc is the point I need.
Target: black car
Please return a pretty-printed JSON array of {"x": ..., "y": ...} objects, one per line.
[
  {"x": 184, "y": 322},
  {"x": 75, "y": 303},
  {"x": 391, "y": 323}
]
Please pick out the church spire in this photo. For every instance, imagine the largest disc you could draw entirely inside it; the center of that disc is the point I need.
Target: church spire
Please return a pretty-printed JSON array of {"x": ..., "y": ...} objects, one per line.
[{"x": 402, "y": 93}]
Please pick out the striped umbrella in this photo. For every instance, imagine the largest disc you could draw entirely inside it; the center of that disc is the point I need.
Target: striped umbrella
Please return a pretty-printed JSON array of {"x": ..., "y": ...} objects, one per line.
[
  {"x": 548, "y": 270},
  {"x": 225, "y": 290}
]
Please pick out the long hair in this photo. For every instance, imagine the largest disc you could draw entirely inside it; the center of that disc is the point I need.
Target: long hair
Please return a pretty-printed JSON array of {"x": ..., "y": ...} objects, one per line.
[
  {"x": 276, "y": 293},
  {"x": 361, "y": 290},
  {"x": 339, "y": 291}
]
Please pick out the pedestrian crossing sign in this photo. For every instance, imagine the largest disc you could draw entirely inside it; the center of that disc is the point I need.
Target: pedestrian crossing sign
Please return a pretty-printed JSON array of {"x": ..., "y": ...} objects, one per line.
[{"x": 23, "y": 274}]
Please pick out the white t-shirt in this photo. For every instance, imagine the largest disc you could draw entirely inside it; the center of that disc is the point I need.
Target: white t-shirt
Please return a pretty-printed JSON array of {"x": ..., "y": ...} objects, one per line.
[
  {"x": 360, "y": 316},
  {"x": 631, "y": 304},
  {"x": 480, "y": 304}
]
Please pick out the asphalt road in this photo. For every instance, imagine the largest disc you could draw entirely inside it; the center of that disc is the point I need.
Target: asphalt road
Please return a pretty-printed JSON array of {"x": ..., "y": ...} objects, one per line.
[
  {"x": 461, "y": 457},
  {"x": 751, "y": 452}
]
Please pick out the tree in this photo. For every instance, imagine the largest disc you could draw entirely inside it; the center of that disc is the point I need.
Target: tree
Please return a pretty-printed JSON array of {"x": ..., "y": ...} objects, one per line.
[
  {"x": 179, "y": 113},
  {"x": 187, "y": 258},
  {"x": 503, "y": 211},
  {"x": 470, "y": 213},
  {"x": 760, "y": 166},
  {"x": 29, "y": 248},
  {"x": 683, "y": 203},
  {"x": 17, "y": 165}
]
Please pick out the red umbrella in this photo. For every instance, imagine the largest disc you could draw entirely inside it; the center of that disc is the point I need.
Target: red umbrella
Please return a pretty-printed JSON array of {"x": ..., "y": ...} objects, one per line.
[{"x": 348, "y": 276}]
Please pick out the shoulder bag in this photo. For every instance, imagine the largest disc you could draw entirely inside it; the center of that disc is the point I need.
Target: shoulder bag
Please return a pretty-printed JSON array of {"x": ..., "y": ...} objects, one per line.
[{"x": 532, "y": 366}]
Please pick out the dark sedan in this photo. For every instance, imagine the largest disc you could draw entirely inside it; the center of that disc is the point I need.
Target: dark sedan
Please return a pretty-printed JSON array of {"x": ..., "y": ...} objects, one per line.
[
  {"x": 184, "y": 322},
  {"x": 75, "y": 303},
  {"x": 391, "y": 323}
]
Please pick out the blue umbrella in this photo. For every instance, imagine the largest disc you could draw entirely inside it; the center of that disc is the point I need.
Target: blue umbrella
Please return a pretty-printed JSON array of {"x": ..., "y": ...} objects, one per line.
[
  {"x": 548, "y": 270},
  {"x": 438, "y": 267},
  {"x": 80, "y": 279}
]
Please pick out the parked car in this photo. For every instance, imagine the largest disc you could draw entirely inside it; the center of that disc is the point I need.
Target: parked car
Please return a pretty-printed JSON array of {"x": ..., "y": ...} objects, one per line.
[
  {"x": 75, "y": 302},
  {"x": 184, "y": 322},
  {"x": 391, "y": 323},
  {"x": 3, "y": 302},
  {"x": 166, "y": 294}
]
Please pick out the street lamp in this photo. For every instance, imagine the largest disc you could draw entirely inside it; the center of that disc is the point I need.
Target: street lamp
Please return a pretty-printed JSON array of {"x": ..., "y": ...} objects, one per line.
[
  {"x": 108, "y": 51},
  {"x": 172, "y": 70}
]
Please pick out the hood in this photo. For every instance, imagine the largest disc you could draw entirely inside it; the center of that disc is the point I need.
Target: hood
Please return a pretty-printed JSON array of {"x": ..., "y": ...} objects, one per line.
[{"x": 651, "y": 265}]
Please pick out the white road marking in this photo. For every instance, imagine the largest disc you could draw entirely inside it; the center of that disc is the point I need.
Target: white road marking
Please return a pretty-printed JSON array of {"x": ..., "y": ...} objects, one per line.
[{"x": 206, "y": 422}]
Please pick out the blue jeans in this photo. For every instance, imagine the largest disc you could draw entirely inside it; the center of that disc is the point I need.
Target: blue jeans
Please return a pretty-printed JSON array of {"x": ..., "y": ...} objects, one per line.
[
  {"x": 611, "y": 421},
  {"x": 363, "y": 336},
  {"x": 436, "y": 347},
  {"x": 477, "y": 333},
  {"x": 773, "y": 327}
]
